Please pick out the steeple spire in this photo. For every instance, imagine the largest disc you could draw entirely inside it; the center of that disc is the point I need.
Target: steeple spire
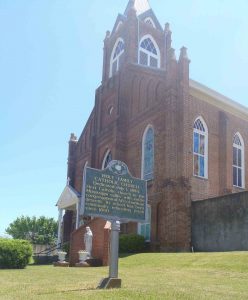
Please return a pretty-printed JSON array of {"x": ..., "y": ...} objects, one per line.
[{"x": 140, "y": 6}]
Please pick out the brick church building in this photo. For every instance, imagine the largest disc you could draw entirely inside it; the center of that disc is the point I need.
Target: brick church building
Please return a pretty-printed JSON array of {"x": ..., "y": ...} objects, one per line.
[{"x": 189, "y": 142}]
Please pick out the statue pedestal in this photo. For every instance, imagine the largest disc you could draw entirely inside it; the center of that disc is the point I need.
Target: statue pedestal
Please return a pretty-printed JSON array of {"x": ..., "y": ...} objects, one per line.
[
  {"x": 82, "y": 264},
  {"x": 90, "y": 262}
]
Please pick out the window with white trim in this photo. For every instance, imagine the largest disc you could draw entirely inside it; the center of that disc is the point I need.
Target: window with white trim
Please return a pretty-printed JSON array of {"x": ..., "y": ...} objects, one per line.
[
  {"x": 149, "y": 54},
  {"x": 238, "y": 161},
  {"x": 80, "y": 217},
  {"x": 147, "y": 168},
  {"x": 150, "y": 22},
  {"x": 200, "y": 148},
  {"x": 118, "y": 26},
  {"x": 116, "y": 57},
  {"x": 144, "y": 229},
  {"x": 107, "y": 159}
]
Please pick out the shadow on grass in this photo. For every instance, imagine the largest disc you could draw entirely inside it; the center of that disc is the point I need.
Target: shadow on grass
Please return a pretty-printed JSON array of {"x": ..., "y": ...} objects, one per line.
[
  {"x": 68, "y": 291},
  {"x": 123, "y": 255}
]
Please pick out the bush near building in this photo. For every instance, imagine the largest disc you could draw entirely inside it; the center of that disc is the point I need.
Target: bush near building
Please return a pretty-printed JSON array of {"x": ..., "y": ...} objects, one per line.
[
  {"x": 14, "y": 254},
  {"x": 131, "y": 243}
]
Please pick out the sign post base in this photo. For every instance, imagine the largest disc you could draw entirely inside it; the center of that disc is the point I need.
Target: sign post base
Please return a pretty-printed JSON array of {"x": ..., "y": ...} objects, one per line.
[{"x": 110, "y": 283}]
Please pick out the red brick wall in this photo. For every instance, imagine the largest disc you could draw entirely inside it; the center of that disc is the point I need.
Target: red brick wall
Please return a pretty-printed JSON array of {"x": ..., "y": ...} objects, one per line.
[
  {"x": 100, "y": 244},
  {"x": 141, "y": 96},
  {"x": 221, "y": 129}
]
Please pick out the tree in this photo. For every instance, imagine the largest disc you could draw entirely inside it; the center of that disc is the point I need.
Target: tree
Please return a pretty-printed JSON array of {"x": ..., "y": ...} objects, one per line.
[{"x": 40, "y": 230}]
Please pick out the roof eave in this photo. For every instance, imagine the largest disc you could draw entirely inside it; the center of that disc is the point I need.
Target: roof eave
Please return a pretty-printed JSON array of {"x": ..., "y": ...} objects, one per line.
[{"x": 218, "y": 99}]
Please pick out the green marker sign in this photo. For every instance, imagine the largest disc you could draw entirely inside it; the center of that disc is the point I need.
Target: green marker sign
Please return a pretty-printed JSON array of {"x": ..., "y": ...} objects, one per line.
[{"x": 113, "y": 194}]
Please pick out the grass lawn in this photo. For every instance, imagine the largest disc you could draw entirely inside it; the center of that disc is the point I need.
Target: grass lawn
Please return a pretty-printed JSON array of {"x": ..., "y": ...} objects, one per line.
[{"x": 144, "y": 276}]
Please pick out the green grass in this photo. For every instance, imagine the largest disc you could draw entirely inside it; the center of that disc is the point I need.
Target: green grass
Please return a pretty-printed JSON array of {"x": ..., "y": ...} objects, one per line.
[{"x": 144, "y": 276}]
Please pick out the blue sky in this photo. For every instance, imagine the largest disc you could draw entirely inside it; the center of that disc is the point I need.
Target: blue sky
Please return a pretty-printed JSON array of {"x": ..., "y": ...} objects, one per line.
[{"x": 50, "y": 66}]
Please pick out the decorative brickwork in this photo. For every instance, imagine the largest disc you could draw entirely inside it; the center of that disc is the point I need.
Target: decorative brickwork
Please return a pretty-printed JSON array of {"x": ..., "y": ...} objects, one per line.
[
  {"x": 138, "y": 96},
  {"x": 100, "y": 246}
]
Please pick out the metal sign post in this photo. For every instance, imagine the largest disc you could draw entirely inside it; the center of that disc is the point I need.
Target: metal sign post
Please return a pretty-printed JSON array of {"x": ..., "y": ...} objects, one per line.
[
  {"x": 113, "y": 194},
  {"x": 114, "y": 249},
  {"x": 113, "y": 281}
]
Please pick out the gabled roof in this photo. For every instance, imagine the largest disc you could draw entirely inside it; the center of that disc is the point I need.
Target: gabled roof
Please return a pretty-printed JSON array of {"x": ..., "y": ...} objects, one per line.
[
  {"x": 68, "y": 197},
  {"x": 150, "y": 13},
  {"x": 120, "y": 18},
  {"x": 140, "y": 6}
]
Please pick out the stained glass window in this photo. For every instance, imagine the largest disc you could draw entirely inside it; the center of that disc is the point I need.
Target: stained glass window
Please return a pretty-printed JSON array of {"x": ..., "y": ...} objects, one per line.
[
  {"x": 149, "y": 53},
  {"x": 200, "y": 140},
  {"x": 116, "y": 57},
  {"x": 148, "y": 154},
  {"x": 145, "y": 228},
  {"x": 80, "y": 211},
  {"x": 238, "y": 161}
]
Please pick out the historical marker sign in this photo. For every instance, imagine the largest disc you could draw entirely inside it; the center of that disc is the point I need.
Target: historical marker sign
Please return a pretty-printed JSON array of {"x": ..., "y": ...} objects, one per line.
[{"x": 114, "y": 194}]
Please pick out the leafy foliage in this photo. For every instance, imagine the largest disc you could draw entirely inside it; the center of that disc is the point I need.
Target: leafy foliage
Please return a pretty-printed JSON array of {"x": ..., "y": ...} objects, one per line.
[
  {"x": 131, "y": 243},
  {"x": 66, "y": 248},
  {"x": 40, "y": 230},
  {"x": 14, "y": 254},
  {"x": 44, "y": 259}
]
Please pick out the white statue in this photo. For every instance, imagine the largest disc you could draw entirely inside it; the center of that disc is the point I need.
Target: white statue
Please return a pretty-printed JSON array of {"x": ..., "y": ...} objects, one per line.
[{"x": 88, "y": 236}]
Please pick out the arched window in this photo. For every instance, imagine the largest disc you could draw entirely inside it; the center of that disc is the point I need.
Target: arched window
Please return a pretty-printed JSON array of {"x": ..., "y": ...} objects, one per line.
[
  {"x": 79, "y": 219},
  {"x": 200, "y": 147},
  {"x": 116, "y": 57},
  {"x": 150, "y": 22},
  {"x": 149, "y": 54},
  {"x": 147, "y": 166},
  {"x": 145, "y": 228},
  {"x": 118, "y": 26},
  {"x": 84, "y": 170},
  {"x": 238, "y": 161},
  {"x": 107, "y": 159}
]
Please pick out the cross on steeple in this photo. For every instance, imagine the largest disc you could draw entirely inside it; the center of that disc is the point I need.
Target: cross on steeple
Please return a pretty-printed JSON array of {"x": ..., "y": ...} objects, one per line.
[{"x": 140, "y": 6}]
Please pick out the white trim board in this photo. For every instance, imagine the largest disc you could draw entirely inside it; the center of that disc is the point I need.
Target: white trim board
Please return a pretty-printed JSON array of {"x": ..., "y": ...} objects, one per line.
[{"x": 204, "y": 93}]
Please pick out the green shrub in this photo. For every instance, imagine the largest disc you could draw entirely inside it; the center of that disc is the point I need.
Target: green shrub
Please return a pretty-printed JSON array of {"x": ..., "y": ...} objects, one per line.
[
  {"x": 131, "y": 243},
  {"x": 45, "y": 259},
  {"x": 66, "y": 248},
  {"x": 14, "y": 254}
]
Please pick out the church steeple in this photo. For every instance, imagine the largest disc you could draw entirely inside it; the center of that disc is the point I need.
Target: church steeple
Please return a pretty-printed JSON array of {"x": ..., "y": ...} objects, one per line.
[
  {"x": 138, "y": 38},
  {"x": 140, "y": 6}
]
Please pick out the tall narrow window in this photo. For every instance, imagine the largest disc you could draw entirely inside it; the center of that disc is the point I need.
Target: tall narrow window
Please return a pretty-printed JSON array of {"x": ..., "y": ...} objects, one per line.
[
  {"x": 116, "y": 57},
  {"x": 84, "y": 170},
  {"x": 148, "y": 154},
  {"x": 238, "y": 161},
  {"x": 80, "y": 220},
  {"x": 147, "y": 173},
  {"x": 107, "y": 159},
  {"x": 200, "y": 146},
  {"x": 145, "y": 228},
  {"x": 149, "y": 54}
]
